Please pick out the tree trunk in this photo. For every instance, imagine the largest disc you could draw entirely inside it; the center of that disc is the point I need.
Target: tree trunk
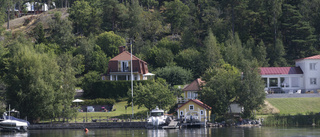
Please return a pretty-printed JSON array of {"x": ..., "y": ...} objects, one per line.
[
  {"x": 49, "y": 1},
  {"x": 8, "y": 17},
  {"x": 232, "y": 18},
  {"x": 66, "y": 5}
]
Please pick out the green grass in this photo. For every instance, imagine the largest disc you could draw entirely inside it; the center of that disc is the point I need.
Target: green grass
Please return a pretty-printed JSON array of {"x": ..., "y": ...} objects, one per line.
[
  {"x": 120, "y": 112},
  {"x": 294, "y": 106}
]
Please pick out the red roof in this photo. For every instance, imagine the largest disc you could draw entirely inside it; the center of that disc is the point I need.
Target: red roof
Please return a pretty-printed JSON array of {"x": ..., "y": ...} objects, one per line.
[
  {"x": 125, "y": 55},
  {"x": 312, "y": 57},
  {"x": 280, "y": 70},
  {"x": 197, "y": 102},
  {"x": 194, "y": 85}
]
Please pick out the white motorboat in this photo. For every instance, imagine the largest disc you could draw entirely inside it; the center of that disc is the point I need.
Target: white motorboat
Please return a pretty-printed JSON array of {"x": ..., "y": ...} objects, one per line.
[
  {"x": 10, "y": 123},
  {"x": 157, "y": 117}
]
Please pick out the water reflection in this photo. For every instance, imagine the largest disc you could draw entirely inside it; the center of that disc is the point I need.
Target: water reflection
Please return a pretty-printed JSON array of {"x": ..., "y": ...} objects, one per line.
[
  {"x": 13, "y": 134},
  {"x": 191, "y": 132}
]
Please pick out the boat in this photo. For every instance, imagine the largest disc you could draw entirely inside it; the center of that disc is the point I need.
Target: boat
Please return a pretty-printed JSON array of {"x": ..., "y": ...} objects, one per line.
[
  {"x": 157, "y": 118},
  {"x": 10, "y": 123}
]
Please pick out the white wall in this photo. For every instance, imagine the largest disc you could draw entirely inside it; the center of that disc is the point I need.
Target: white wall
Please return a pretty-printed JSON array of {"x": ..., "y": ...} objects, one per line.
[{"x": 305, "y": 67}]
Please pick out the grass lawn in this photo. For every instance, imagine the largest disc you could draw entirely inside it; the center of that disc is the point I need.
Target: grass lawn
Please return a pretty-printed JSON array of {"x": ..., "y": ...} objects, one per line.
[
  {"x": 120, "y": 111},
  {"x": 296, "y": 105}
]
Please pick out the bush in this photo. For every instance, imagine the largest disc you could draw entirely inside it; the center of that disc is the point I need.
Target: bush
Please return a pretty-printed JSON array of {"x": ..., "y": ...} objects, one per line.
[
  {"x": 109, "y": 89},
  {"x": 98, "y": 101}
]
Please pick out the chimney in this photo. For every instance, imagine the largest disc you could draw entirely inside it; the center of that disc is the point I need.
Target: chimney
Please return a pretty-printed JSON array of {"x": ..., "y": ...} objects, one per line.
[{"x": 121, "y": 49}]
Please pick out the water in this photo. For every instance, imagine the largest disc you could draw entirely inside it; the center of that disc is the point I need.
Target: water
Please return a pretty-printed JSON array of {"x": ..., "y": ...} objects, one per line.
[{"x": 195, "y": 132}]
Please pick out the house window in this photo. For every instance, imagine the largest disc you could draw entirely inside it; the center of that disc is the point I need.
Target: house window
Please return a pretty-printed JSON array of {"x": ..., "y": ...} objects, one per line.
[
  {"x": 273, "y": 82},
  {"x": 189, "y": 94},
  {"x": 201, "y": 112},
  {"x": 312, "y": 66},
  {"x": 181, "y": 113},
  {"x": 103, "y": 78},
  {"x": 125, "y": 66},
  {"x": 195, "y": 95},
  {"x": 313, "y": 81},
  {"x": 191, "y": 107}
]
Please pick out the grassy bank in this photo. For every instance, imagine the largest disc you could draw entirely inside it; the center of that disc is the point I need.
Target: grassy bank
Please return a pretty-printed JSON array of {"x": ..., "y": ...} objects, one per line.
[
  {"x": 294, "y": 112},
  {"x": 295, "y": 106},
  {"x": 120, "y": 113}
]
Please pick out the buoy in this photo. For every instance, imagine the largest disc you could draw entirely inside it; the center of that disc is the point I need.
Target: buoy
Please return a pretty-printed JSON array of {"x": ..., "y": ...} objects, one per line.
[{"x": 86, "y": 130}]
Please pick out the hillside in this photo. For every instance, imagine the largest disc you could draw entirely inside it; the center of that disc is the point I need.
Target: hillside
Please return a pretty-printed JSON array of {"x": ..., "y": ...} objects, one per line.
[{"x": 27, "y": 23}]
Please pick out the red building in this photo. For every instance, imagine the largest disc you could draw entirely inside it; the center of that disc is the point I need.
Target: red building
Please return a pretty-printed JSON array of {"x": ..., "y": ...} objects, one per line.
[{"x": 119, "y": 67}]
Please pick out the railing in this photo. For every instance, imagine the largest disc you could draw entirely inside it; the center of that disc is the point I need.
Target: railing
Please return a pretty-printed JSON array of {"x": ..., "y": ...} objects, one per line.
[{"x": 136, "y": 69}]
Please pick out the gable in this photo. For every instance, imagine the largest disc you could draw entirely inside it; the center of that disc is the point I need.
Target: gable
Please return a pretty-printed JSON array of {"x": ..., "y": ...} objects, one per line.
[
  {"x": 194, "y": 85},
  {"x": 197, "y": 103},
  {"x": 125, "y": 55}
]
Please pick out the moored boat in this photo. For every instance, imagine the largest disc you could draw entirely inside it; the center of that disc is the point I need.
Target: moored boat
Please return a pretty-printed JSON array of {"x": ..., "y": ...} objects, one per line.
[
  {"x": 10, "y": 123},
  {"x": 157, "y": 118}
]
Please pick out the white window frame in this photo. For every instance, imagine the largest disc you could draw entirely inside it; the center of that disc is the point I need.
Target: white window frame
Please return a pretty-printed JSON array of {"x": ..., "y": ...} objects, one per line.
[
  {"x": 313, "y": 66},
  {"x": 191, "y": 106},
  {"x": 189, "y": 94},
  {"x": 124, "y": 64},
  {"x": 313, "y": 81},
  {"x": 201, "y": 112}
]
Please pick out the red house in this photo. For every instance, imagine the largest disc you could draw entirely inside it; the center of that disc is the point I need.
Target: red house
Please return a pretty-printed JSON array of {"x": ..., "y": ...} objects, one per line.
[{"x": 119, "y": 67}]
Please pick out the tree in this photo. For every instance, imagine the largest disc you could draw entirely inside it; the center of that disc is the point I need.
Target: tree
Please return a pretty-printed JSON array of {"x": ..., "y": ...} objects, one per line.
[
  {"x": 61, "y": 32},
  {"x": 222, "y": 87},
  {"x": 87, "y": 82},
  {"x": 176, "y": 14},
  {"x": 39, "y": 34},
  {"x": 114, "y": 15},
  {"x": 159, "y": 57},
  {"x": 233, "y": 51},
  {"x": 212, "y": 50},
  {"x": 298, "y": 35},
  {"x": 174, "y": 75},
  {"x": 110, "y": 43},
  {"x": 94, "y": 58},
  {"x": 172, "y": 45},
  {"x": 85, "y": 17},
  {"x": 37, "y": 75},
  {"x": 251, "y": 95},
  {"x": 151, "y": 95},
  {"x": 191, "y": 59}
]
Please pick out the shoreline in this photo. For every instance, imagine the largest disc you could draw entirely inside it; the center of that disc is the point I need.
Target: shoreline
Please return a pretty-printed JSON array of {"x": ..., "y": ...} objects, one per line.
[{"x": 87, "y": 125}]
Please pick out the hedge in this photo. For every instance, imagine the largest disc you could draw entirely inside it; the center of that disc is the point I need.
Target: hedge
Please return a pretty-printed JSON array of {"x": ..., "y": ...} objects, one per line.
[
  {"x": 110, "y": 89},
  {"x": 98, "y": 101}
]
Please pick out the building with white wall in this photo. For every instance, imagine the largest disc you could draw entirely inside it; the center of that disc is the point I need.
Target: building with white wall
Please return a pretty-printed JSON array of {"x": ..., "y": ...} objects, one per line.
[{"x": 304, "y": 77}]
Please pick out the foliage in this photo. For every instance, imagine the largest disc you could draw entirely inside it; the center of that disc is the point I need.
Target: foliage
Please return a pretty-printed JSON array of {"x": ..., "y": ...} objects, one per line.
[
  {"x": 109, "y": 43},
  {"x": 176, "y": 13},
  {"x": 293, "y": 120},
  {"x": 44, "y": 83},
  {"x": 94, "y": 87},
  {"x": 174, "y": 75},
  {"x": 191, "y": 59},
  {"x": 251, "y": 95},
  {"x": 152, "y": 94},
  {"x": 222, "y": 88},
  {"x": 98, "y": 101}
]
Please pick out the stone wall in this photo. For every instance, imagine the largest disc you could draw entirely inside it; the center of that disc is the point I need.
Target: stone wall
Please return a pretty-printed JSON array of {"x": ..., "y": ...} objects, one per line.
[{"x": 88, "y": 125}]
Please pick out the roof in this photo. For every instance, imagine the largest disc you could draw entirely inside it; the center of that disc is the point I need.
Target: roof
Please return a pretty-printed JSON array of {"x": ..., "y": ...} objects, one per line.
[
  {"x": 125, "y": 55},
  {"x": 312, "y": 57},
  {"x": 280, "y": 70},
  {"x": 194, "y": 85},
  {"x": 197, "y": 102}
]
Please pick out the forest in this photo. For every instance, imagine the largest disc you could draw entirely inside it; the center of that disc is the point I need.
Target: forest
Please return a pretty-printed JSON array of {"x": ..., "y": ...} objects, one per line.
[{"x": 182, "y": 38}]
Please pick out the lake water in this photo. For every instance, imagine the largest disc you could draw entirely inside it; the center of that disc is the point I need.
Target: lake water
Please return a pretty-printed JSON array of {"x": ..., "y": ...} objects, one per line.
[{"x": 194, "y": 132}]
